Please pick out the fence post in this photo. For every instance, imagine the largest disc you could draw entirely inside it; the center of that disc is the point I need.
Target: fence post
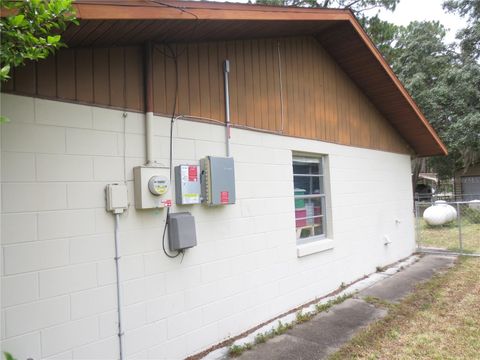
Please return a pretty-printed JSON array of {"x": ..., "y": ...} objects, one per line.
[
  {"x": 417, "y": 225},
  {"x": 459, "y": 222}
]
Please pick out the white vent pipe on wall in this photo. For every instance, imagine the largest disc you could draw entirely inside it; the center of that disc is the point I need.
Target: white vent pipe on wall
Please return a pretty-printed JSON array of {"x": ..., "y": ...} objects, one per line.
[{"x": 149, "y": 137}]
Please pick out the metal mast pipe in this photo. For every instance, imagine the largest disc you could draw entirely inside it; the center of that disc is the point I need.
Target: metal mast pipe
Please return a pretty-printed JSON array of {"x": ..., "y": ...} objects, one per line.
[
  {"x": 226, "y": 71},
  {"x": 119, "y": 300},
  {"x": 148, "y": 103}
]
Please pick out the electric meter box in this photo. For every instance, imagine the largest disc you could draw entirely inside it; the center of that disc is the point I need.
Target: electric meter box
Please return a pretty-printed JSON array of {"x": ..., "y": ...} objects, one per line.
[
  {"x": 218, "y": 180},
  {"x": 151, "y": 187},
  {"x": 187, "y": 184},
  {"x": 181, "y": 231}
]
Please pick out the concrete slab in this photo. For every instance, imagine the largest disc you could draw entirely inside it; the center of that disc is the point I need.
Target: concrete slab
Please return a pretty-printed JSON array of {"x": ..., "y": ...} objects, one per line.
[
  {"x": 319, "y": 337},
  {"x": 397, "y": 286},
  {"x": 331, "y": 329},
  {"x": 284, "y": 347},
  {"x": 325, "y": 333}
]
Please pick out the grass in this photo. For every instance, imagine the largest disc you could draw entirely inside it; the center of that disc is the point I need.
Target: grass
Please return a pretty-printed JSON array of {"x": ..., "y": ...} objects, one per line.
[
  {"x": 301, "y": 317},
  {"x": 378, "y": 302},
  {"x": 439, "y": 320},
  {"x": 237, "y": 350},
  {"x": 446, "y": 236}
]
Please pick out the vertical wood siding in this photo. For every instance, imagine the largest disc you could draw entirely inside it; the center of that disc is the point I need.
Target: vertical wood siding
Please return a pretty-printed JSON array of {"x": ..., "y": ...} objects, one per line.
[
  {"x": 103, "y": 76},
  {"x": 289, "y": 86}
]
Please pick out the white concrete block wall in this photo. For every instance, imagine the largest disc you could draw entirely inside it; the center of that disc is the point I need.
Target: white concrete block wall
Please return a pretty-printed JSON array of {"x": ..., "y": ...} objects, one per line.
[{"x": 58, "y": 274}]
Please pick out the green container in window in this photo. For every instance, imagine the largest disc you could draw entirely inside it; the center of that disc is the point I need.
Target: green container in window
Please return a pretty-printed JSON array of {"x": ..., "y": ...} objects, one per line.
[{"x": 299, "y": 203}]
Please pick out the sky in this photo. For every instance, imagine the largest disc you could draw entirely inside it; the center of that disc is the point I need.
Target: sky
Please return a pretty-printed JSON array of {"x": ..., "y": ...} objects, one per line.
[{"x": 416, "y": 10}]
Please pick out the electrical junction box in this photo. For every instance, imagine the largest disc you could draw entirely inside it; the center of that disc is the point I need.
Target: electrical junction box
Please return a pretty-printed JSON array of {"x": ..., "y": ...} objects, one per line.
[
  {"x": 117, "y": 198},
  {"x": 187, "y": 184},
  {"x": 152, "y": 187},
  {"x": 181, "y": 231},
  {"x": 218, "y": 180}
]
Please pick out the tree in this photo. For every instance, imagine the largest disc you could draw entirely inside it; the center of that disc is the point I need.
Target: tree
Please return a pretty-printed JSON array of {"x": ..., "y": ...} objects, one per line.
[
  {"x": 383, "y": 35},
  {"x": 31, "y": 30},
  {"x": 382, "y": 32},
  {"x": 446, "y": 86},
  {"x": 357, "y": 6},
  {"x": 470, "y": 36}
]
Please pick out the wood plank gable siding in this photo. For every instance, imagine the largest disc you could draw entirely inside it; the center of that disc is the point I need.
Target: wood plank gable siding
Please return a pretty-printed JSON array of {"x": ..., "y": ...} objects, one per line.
[{"x": 289, "y": 86}]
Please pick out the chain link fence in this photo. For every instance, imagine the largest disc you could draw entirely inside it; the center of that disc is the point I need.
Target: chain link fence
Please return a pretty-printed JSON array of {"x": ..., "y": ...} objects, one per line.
[{"x": 452, "y": 226}]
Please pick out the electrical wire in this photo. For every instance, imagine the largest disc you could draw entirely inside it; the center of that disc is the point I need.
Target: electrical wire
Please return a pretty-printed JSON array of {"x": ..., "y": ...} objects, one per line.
[
  {"x": 163, "y": 239},
  {"x": 172, "y": 120},
  {"x": 191, "y": 33},
  {"x": 181, "y": 8}
]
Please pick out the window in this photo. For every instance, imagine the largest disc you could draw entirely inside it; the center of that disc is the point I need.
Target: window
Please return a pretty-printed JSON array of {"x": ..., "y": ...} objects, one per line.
[{"x": 309, "y": 188}]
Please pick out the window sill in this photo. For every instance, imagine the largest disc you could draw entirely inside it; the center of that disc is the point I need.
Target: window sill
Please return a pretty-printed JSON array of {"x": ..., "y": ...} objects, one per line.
[{"x": 314, "y": 247}]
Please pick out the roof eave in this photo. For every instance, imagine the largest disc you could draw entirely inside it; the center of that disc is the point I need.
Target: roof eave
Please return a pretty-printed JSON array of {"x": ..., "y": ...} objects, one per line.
[{"x": 209, "y": 11}]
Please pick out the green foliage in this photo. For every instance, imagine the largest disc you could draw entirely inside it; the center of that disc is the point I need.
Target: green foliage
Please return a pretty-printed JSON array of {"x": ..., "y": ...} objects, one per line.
[
  {"x": 357, "y": 6},
  {"x": 261, "y": 338},
  {"x": 282, "y": 328},
  {"x": 319, "y": 308},
  {"x": 446, "y": 86},
  {"x": 8, "y": 356},
  {"x": 302, "y": 317},
  {"x": 470, "y": 36},
  {"x": 378, "y": 302},
  {"x": 326, "y": 306},
  {"x": 236, "y": 350},
  {"x": 31, "y": 31},
  {"x": 382, "y": 33}
]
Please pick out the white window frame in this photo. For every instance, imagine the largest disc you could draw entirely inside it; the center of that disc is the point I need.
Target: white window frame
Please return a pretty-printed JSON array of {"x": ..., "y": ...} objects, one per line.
[{"x": 323, "y": 197}]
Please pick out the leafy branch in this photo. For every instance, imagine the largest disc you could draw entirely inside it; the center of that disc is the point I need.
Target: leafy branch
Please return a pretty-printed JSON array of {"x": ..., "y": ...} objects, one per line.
[{"x": 31, "y": 30}]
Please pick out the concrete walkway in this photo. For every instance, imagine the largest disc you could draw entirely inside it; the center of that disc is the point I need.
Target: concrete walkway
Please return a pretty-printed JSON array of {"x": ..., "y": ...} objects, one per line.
[{"x": 327, "y": 332}]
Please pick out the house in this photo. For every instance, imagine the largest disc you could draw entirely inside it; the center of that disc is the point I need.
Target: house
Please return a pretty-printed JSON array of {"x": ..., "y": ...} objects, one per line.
[
  {"x": 321, "y": 133},
  {"x": 467, "y": 183}
]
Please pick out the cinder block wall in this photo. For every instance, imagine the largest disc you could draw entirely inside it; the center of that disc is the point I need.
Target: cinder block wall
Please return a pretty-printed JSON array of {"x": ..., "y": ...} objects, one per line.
[{"x": 58, "y": 278}]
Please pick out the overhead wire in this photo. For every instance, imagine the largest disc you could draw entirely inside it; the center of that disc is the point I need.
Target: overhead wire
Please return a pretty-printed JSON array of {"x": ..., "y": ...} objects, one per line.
[
  {"x": 172, "y": 120},
  {"x": 174, "y": 56}
]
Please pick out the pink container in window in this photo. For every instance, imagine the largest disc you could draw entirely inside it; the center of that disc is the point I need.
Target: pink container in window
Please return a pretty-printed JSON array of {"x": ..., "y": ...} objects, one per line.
[{"x": 300, "y": 213}]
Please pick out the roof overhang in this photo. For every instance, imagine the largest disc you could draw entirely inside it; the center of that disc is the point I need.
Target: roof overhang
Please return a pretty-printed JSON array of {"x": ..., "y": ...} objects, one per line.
[{"x": 114, "y": 23}]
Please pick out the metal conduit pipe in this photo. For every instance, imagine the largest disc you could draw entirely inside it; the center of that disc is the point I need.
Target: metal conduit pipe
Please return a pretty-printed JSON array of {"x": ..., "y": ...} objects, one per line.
[
  {"x": 148, "y": 104},
  {"x": 226, "y": 71},
  {"x": 119, "y": 300}
]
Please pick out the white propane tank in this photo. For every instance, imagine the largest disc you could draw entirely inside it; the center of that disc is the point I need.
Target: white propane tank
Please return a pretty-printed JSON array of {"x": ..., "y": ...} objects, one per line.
[
  {"x": 436, "y": 215},
  {"x": 450, "y": 210},
  {"x": 453, "y": 212}
]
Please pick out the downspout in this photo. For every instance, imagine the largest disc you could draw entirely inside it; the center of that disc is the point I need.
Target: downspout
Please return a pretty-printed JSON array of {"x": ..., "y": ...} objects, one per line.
[
  {"x": 148, "y": 104},
  {"x": 226, "y": 71}
]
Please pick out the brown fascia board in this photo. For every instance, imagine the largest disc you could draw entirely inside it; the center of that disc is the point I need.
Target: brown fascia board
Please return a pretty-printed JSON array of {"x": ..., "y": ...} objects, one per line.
[
  {"x": 375, "y": 52},
  {"x": 188, "y": 10}
]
